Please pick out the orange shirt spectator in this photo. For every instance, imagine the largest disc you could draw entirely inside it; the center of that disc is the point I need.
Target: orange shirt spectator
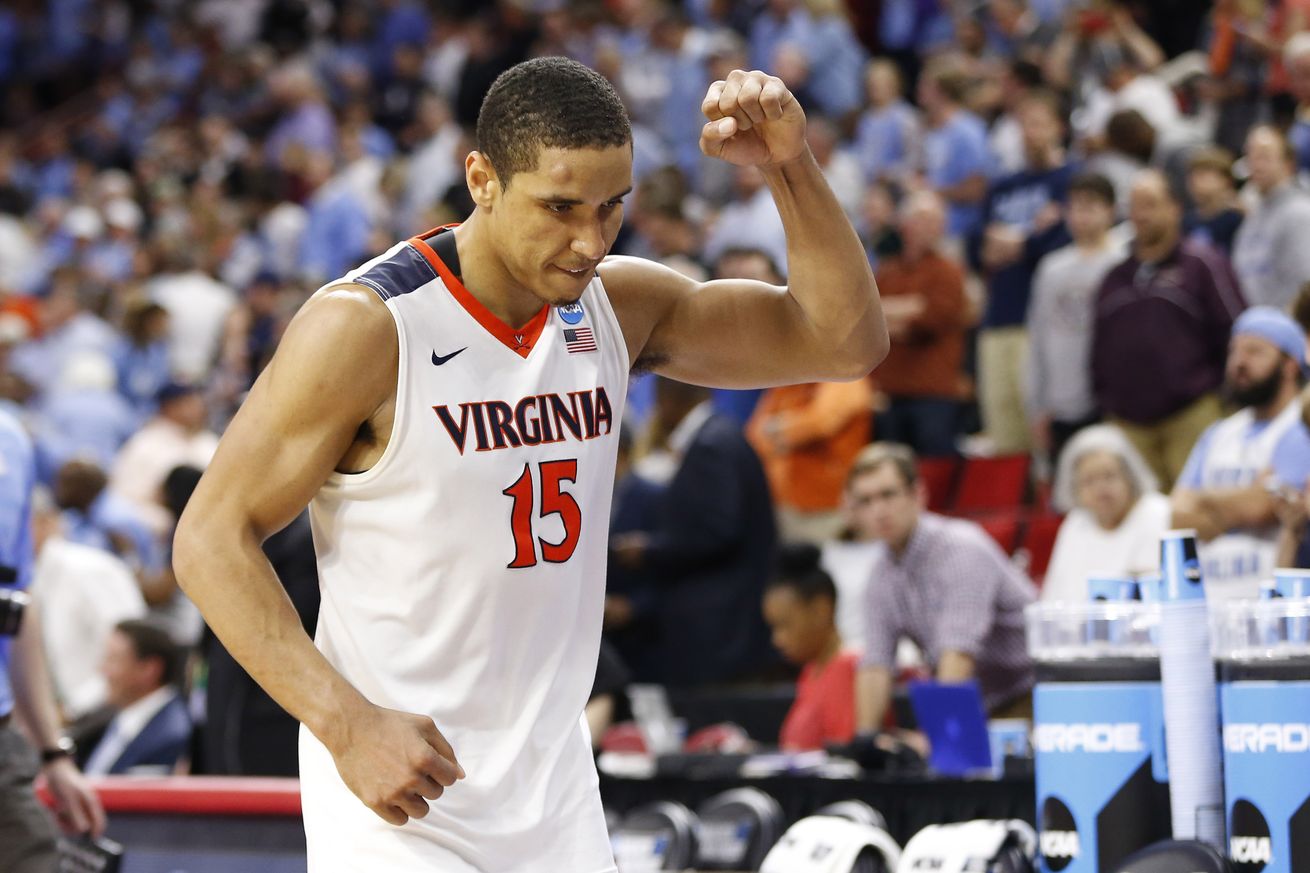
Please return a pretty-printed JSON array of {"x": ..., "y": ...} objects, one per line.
[
  {"x": 807, "y": 436},
  {"x": 928, "y": 342},
  {"x": 927, "y": 314}
]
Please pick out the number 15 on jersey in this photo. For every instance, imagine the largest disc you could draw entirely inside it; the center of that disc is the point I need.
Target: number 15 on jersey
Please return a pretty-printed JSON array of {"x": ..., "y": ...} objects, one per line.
[{"x": 554, "y": 501}]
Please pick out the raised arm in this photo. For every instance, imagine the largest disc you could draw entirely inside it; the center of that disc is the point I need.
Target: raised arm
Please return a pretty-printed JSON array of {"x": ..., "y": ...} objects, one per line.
[
  {"x": 334, "y": 371},
  {"x": 827, "y": 324}
]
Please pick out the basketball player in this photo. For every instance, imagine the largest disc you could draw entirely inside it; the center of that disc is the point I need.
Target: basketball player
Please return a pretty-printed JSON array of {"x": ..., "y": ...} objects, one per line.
[{"x": 450, "y": 413}]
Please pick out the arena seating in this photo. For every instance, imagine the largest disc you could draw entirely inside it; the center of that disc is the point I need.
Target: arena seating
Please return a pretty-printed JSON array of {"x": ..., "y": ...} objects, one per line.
[
  {"x": 998, "y": 494},
  {"x": 938, "y": 476},
  {"x": 991, "y": 484}
]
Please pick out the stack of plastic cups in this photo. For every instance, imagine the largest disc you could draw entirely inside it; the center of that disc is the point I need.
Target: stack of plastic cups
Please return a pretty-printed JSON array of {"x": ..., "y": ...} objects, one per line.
[
  {"x": 1191, "y": 703},
  {"x": 1264, "y": 653},
  {"x": 1294, "y": 585}
]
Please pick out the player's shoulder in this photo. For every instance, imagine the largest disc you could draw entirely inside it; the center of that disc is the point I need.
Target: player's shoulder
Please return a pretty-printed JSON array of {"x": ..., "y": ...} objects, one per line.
[
  {"x": 346, "y": 306},
  {"x": 405, "y": 267},
  {"x": 642, "y": 292},
  {"x": 344, "y": 329},
  {"x": 626, "y": 275}
]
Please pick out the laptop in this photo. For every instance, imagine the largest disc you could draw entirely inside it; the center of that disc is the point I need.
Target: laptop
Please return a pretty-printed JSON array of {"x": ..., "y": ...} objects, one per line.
[{"x": 951, "y": 715}]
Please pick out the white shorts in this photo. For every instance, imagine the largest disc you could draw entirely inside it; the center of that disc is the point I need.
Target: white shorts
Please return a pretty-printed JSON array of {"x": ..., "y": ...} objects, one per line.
[
  {"x": 344, "y": 836},
  {"x": 390, "y": 850}
]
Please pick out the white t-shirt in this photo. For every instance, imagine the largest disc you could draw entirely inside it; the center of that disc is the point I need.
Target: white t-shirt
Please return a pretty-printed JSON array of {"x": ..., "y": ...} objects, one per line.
[
  {"x": 83, "y": 592},
  {"x": 149, "y": 456},
  {"x": 849, "y": 565},
  {"x": 1083, "y": 548},
  {"x": 1148, "y": 95},
  {"x": 198, "y": 307}
]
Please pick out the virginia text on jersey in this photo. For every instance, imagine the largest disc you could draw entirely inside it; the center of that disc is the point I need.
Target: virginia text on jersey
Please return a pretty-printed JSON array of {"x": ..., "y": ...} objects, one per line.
[{"x": 537, "y": 420}]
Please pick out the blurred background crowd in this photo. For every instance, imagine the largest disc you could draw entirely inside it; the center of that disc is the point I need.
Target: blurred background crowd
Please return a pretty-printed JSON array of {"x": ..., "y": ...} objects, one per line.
[{"x": 1069, "y": 206}]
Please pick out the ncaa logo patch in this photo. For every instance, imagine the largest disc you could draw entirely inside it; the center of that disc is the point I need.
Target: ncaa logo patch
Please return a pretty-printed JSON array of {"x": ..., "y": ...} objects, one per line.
[{"x": 571, "y": 313}]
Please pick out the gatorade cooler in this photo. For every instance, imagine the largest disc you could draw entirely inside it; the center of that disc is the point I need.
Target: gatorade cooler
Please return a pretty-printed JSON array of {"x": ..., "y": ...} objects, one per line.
[
  {"x": 1098, "y": 736},
  {"x": 1264, "y": 655}
]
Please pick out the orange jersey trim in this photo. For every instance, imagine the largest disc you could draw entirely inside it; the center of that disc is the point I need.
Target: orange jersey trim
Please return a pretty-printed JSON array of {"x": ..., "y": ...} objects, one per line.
[{"x": 518, "y": 340}]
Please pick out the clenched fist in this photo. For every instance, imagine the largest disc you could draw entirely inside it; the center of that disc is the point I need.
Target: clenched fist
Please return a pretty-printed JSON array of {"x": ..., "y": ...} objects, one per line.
[
  {"x": 395, "y": 762},
  {"x": 754, "y": 120}
]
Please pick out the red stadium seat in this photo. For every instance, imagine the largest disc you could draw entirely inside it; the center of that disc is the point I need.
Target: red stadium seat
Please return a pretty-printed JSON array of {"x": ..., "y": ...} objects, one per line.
[
  {"x": 1039, "y": 541},
  {"x": 992, "y": 484},
  {"x": 623, "y": 737},
  {"x": 1004, "y": 528},
  {"x": 724, "y": 737},
  {"x": 938, "y": 478}
]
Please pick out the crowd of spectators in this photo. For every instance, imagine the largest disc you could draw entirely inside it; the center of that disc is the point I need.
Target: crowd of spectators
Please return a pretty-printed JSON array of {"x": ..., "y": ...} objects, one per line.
[{"x": 1068, "y": 204}]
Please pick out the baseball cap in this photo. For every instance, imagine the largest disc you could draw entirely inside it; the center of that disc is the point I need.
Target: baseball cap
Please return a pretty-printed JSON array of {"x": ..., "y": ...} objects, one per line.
[{"x": 1274, "y": 326}]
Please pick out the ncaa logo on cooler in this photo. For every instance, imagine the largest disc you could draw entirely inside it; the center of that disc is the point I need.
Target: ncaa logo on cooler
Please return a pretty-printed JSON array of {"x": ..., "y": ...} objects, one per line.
[
  {"x": 571, "y": 313},
  {"x": 1249, "y": 846}
]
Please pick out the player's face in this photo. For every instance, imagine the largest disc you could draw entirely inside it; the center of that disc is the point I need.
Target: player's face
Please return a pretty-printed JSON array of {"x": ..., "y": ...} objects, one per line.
[{"x": 556, "y": 223}]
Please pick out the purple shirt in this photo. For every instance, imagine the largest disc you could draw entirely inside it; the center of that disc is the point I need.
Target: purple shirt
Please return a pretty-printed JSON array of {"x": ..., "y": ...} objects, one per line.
[
  {"x": 952, "y": 590},
  {"x": 1161, "y": 333}
]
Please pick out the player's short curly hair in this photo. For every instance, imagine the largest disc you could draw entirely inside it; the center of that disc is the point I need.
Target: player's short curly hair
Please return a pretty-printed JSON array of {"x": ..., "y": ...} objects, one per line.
[{"x": 548, "y": 103}]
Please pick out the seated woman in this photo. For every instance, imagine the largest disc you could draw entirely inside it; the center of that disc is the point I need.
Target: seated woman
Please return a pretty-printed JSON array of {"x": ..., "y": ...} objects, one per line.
[
  {"x": 799, "y": 606},
  {"x": 1116, "y": 514}
]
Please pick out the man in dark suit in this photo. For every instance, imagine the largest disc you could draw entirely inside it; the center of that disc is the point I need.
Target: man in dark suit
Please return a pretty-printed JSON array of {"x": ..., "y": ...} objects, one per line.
[
  {"x": 709, "y": 553},
  {"x": 150, "y": 731},
  {"x": 247, "y": 733}
]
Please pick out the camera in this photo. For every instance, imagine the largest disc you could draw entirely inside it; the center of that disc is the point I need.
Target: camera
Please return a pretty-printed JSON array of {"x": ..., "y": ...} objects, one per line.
[{"x": 13, "y": 603}]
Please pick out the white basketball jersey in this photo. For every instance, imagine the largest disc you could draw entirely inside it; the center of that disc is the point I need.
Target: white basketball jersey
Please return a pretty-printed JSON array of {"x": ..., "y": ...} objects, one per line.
[
  {"x": 463, "y": 575},
  {"x": 1234, "y": 564}
]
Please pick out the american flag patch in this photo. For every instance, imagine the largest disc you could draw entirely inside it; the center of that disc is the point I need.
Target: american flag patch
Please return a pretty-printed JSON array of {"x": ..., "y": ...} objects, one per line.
[{"x": 579, "y": 339}]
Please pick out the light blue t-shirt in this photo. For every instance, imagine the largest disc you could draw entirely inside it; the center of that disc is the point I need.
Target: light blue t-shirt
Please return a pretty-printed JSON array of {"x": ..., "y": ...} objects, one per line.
[
  {"x": 952, "y": 153},
  {"x": 885, "y": 140},
  {"x": 1292, "y": 458},
  {"x": 17, "y": 475},
  {"x": 1290, "y": 463}
]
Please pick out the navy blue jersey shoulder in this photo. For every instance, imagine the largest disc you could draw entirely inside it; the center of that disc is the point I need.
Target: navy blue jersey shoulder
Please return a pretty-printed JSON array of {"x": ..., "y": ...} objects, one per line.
[{"x": 403, "y": 272}]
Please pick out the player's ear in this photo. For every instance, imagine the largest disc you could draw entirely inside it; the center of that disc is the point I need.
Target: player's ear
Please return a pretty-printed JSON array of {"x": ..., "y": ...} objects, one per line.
[{"x": 483, "y": 183}]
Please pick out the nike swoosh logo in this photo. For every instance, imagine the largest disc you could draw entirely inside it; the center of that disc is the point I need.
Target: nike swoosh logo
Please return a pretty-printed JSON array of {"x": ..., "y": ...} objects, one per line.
[{"x": 438, "y": 360}]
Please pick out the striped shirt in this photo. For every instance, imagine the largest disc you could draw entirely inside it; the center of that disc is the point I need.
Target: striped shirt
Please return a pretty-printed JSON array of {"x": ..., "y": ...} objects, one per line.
[{"x": 952, "y": 589}]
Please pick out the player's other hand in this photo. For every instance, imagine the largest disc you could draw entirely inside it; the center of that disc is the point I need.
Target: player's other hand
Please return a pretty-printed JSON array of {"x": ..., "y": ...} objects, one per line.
[
  {"x": 754, "y": 120},
  {"x": 395, "y": 762}
]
